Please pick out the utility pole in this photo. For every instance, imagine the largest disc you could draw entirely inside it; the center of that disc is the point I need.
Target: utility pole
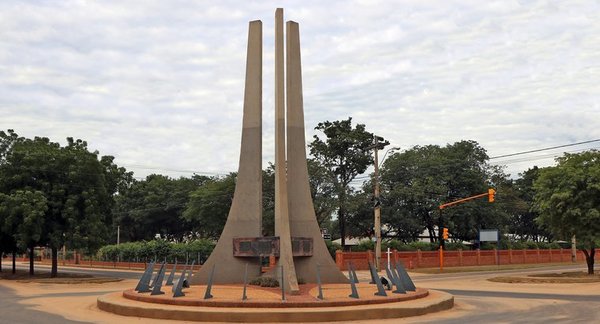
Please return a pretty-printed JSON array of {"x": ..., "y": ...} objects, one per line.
[
  {"x": 376, "y": 203},
  {"x": 118, "y": 234}
]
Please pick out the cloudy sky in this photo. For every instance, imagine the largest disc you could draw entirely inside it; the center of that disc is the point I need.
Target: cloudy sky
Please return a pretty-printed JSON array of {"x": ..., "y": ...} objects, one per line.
[{"x": 159, "y": 84}]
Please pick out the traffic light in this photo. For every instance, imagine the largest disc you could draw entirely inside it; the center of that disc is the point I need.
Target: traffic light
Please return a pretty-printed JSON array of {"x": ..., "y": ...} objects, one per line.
[
  {"x": 491, "y": 194},
  {"x": 445, "y": 233}
]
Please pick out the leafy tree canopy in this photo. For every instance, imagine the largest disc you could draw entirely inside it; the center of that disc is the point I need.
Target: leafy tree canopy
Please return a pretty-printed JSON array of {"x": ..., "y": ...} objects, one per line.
[{"x": 567, "y": 196}]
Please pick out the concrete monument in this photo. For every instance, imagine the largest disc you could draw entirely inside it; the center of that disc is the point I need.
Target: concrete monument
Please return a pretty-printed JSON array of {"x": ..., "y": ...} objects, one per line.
[{"x": 297, "y": 244}]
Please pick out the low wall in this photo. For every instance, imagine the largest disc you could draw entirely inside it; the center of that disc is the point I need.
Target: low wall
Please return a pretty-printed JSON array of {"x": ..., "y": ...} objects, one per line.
[{"x": 431, "y": 259}]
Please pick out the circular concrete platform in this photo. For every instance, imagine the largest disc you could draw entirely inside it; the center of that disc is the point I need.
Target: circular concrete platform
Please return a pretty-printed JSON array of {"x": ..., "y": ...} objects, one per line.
[{"x": 265, "y": 304}]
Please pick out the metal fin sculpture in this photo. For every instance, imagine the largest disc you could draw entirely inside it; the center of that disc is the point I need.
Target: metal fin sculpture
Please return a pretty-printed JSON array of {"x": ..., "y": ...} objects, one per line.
[
  {"x": 207, "y": 294},
  {"x": 244, "y": 297},
  {"x": 154, "y": 280},
  {"x": 178, "y": 287},
  {"x": 145, "y": 279},
  {"x": 172, "y": 275},
  {"x": 159, "y": 280},
  {"x": 380, "y": 289},
  {"x": 396, "y": 281},
  {"x": 320, "y": 296},
  {"x": 405, "y": 278},
  {"x": 353, "y": 281},
  {"x": 186, "y": 282}
]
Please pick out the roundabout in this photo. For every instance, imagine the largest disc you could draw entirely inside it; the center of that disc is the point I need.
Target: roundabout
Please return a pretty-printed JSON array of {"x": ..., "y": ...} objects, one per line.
[{"x": 266, "y": 304}]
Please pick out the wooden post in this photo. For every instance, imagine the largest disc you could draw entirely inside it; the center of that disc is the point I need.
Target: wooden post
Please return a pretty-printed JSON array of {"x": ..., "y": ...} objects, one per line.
[
  {"x": 509, "y": 256},
  {"x": 478, "y": 257},
  {"x": 538, "y": 255},
  {"x": 460, "y": 257}
]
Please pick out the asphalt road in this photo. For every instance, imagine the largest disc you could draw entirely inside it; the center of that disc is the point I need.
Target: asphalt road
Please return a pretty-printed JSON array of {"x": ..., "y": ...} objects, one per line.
[
  {"x": 556, "y": 308},
  {"x": 11, "y": 311},
  {"x": 95, "y": 272}
]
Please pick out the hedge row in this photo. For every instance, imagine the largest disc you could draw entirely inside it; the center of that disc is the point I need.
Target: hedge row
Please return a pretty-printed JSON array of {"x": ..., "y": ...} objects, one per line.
[{"x": 142, "y": 251}]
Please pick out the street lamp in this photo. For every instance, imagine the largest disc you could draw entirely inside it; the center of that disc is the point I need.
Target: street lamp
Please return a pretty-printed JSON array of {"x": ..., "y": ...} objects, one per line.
[{"x": 376, "y": 146}]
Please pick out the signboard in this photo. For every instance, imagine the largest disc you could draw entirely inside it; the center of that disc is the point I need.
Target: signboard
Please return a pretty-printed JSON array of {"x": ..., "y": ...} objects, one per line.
[
  {"x": 269, "y": 245},
  {"x": 488, "y": 235}
]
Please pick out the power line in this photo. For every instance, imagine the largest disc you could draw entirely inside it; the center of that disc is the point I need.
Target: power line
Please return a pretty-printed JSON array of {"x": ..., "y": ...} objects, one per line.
[{"x": 544, "y": 149}]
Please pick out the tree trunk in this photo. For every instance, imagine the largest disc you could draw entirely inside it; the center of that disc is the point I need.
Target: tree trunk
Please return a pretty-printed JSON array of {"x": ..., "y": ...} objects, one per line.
[
  {"x": 589, "y": 259},
  {"x": 31, "y": 255},
  {"x": 14, "y": 262},
  {"x": 1, "y": 258},
  {"x": 54, "y": 271}
]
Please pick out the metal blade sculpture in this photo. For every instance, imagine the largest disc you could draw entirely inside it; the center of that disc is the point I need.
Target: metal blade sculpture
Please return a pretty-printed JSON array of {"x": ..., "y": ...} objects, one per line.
[
  {"x": 353, "y": 281},
  {"x": 403, "y": 275},
  {"x": 159, "y": 280},
  {"x": 145, "y": 279},
  {"x": 380, "y": 289},
  {"x": 172, "y": 275}
]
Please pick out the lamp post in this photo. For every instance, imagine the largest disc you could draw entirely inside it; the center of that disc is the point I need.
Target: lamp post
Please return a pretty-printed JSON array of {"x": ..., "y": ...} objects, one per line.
[{"x": 377, "y": 145}]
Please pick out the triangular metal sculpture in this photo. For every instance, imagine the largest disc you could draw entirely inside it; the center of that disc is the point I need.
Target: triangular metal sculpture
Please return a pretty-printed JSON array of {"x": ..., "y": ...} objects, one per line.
[
  {"x": 405, "y": 278},
  {"x": 353, "y": 281},
  {"x": 144, "y": 282},
  {"x": 172, "y": 275},
  {"x": 154, "y": 280},
  {"x": 178, "y": 287},
  {"x": 395, "y": 281},
  {"x": 157, "y": 285},
  {"x": 299, "y": 244},
  {"x": 187, "y": 282}
]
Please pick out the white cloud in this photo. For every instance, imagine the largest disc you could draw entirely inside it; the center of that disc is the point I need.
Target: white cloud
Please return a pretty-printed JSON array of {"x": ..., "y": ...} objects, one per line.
[{"x": 160, "y": 83}]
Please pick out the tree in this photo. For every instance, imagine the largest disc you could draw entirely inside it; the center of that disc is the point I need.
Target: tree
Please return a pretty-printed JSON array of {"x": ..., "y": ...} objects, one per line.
[
  {"x": 208, "y": 206},
  {"x": 522, "y": 222},
  {"x": 23, "y": 215},
  {"x": 345, "y": 153},
  {"x": 153, "y": 206},
  {"x": 77, "y": 185},
  {"x": 415, "y": 182},
  {"x": 567, "y": 196}
]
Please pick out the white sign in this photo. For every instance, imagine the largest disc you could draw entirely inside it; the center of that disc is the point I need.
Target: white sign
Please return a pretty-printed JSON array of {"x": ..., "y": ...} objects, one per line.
[{"x": 488, "y": 235}]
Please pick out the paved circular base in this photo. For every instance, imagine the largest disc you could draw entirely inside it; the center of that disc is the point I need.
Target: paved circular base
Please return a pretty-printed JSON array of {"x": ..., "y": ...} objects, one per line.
[{"x": 265, "y": 305}]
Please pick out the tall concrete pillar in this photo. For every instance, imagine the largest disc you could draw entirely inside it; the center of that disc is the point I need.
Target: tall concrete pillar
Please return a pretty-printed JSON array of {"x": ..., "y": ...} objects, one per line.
[
  {"x": 303, "y": 221},
  {"x": 282, "y": 220},
  {"x": 245, "y": 214}
]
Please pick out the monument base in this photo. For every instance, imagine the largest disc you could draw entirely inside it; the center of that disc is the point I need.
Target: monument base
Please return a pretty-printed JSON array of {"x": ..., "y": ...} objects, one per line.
[{"x": 265, "y": 304}]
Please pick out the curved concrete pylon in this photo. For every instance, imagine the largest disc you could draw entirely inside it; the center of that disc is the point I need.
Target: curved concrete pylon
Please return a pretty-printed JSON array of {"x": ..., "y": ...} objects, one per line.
[
  {"x": 245, "y": 214},
  {"x": 303, "y": 221},
  {"x": 282, "y": 219}
]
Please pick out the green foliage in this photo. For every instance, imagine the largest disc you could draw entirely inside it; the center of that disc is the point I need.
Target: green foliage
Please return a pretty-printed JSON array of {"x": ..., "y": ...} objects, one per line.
[
  {"x": 332, "y": 247},
  {"x": 345, "y": 154},
  {"x": 264, "y": 282},
  {"x": 454, "y": 246},
  {"x": 157, "y": 249},
  {"x": 155, "y": 206},
  {"x": 567, "y": 198},
  {"x": 364, "y": 245},
  {"x": 416, "y": 181},
  {"x": 209, "y": 205},
  {"x": 75, "y": 185}
]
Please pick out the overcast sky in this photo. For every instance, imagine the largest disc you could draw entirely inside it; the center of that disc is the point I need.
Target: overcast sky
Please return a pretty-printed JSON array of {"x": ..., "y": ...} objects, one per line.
[{"x": 159, "y": 84}]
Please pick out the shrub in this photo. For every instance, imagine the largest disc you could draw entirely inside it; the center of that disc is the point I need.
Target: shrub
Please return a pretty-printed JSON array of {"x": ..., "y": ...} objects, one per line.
[
  {"x": 453, "y": 246},
  {"x": 332, "y": 247},
  {"x": 264, "y": 282},
  {"x": 364, "y": 245}
]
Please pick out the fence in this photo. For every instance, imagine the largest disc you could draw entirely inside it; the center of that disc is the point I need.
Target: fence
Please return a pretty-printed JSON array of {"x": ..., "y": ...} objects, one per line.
[{"x": 431, "y": 259}]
